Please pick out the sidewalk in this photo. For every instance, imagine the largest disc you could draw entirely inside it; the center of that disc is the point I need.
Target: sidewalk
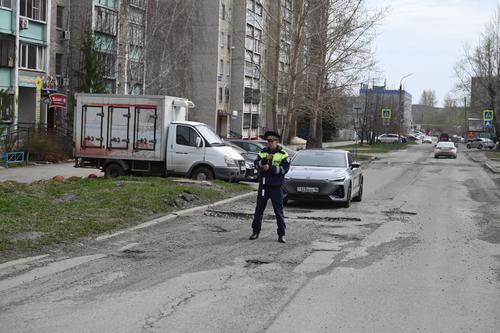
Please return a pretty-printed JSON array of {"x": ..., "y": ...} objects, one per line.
[{"x": 479, "y": 156}]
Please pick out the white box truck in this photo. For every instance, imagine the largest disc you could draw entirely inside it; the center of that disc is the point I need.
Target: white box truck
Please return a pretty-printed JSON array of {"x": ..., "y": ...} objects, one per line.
[{"x": 125, "y": 134}]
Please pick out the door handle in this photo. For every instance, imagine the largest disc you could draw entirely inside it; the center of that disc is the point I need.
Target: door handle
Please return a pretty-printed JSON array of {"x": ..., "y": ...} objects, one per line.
[{"x": 179, "y": 152}]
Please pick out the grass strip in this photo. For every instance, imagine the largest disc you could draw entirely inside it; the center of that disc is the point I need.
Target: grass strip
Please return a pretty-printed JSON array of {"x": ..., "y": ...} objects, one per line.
[{"x": 45, "y": 213}]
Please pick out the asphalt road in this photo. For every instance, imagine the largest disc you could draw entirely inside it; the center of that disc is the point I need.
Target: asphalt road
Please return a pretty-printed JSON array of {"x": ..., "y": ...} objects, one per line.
[{"x": 419, "y": 253}]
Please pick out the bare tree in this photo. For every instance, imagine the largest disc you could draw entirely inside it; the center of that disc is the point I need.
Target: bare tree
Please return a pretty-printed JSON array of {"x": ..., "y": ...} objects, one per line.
[
  {"x": 168, "y": 55},
  {"x": 337, "y": 52},
  {"x": 479, "y": 70},
  {"x": 428, "y": 98}
]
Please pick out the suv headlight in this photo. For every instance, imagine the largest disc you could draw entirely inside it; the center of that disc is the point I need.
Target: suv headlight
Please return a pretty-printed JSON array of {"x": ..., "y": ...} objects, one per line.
[{"x": 229, "y": 161}]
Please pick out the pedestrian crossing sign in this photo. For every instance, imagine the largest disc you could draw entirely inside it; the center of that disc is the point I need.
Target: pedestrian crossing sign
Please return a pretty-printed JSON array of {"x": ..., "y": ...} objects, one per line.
[
  {"x": 488, "y": 124},
  {"x": 487, "y": 115},
  {"x": 386, "y": 113}
]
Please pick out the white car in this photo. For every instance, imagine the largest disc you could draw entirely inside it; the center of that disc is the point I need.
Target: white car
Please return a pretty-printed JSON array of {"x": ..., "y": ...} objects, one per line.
[
  {"x": 389, "y": 138},
  {"x": 446, "y": 149},
  {"x": 427, "y": 139}
]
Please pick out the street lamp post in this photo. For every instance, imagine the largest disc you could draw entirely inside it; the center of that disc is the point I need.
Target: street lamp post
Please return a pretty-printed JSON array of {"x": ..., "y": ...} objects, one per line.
[{"x": 400, "y": 102}]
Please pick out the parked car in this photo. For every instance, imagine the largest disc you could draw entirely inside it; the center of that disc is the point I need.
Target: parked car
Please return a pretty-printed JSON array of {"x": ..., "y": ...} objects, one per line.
[
  {"x": 446, "y": 149},
  {"x": 251, "y": 172},
  {"x": 255, "y": 146},
  {"x": 443, "y": 137},
  {"x": 324, "y": 175},
  {"x": 390, "y": 138},
  {"x": 480, "y": 143},
  {"x": 427, "y": 139},
  {"x": 457, "y": 139}
]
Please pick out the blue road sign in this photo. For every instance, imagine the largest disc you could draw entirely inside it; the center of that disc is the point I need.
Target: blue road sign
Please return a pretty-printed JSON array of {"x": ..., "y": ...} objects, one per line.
[
  {"x": 487, "y": 114},
  {"x": 488, "y": 124},
  {"x": 387, "y": 122}
]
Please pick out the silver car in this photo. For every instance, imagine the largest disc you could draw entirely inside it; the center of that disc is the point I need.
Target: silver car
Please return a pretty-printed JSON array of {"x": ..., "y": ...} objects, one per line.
[
  {"x": 480, "y": 143},
  {"x": 324, "y": 175}
]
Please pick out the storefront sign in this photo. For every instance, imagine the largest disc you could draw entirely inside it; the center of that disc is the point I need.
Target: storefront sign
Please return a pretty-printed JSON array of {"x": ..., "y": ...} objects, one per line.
[{"x": 57, "y": 100}]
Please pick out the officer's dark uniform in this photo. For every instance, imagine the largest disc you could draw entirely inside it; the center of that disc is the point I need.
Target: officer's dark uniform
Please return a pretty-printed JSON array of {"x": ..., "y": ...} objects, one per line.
[{"x": 270, "y": 183}]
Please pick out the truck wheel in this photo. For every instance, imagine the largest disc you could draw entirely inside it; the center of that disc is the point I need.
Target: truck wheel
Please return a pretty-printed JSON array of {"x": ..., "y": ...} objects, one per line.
[
  {"x": 114, "y": 170},
  {"x": 202, "y": 173},
  {"x": 468, "y": 146},
  {"x": 480, "y": 147}
]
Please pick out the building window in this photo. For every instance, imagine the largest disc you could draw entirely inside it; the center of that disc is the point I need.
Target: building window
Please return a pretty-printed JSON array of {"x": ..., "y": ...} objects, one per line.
[
  {"x": 5, "y": 3},
  {"x": 246, "y": 120},
  {"x": 107, "y": 63},
  {"x": 221, "y": 98},
  {"x": 107, "y": 3},
  {"x": 6, "y": 106},
  {"x": 227, "y": 95},
  {"x": 31, "y": 56},
  {"x": 106, "y": 20},
  {"x": 33, "y": 9},
  {"x": 223, "y": 12},
  {"x": 7, "y": 52},
  {"x": 222, "y": 38},
  {"x": 59, "y": 64},
  {"x": 229, "y": 41},
  {"x": 255, "y": 121},
  {"x": 60, "y": 17},
  {"x": 221, "y": 67}
]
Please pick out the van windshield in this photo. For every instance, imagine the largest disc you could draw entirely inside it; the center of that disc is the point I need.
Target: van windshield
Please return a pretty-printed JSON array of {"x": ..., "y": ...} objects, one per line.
[{"x": 209, "y": 135}]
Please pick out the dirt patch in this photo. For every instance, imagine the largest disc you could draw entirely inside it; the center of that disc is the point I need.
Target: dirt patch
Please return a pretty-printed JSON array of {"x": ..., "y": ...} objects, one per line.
[
  {"x": 65, "y": 198},
  {"x": 30, "y": 235}
]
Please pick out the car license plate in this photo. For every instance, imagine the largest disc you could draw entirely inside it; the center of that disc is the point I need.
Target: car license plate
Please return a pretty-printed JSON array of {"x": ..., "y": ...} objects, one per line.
[{"x": 307, "y": 189}]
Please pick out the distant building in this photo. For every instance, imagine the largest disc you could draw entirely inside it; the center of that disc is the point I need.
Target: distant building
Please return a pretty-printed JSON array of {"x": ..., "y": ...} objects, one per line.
[{"x": 373, "y": 100}]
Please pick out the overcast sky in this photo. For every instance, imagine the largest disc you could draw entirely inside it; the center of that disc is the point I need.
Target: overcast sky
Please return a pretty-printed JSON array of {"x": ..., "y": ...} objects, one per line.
[{"x": 427, "y": 38}]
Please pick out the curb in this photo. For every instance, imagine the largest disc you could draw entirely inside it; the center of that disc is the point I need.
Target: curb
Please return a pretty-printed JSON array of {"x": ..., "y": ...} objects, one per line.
[
  {"x": 485, "y": 163},
  {"x": 491, "y": 167},
  {"x": 174, "y": 215}
]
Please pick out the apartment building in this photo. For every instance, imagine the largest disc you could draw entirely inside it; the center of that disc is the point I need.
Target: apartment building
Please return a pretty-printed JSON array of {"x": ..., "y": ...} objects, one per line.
[
  {"x": 118, "y": 28},
  {"x": 8, "y": 68},
  {"x": 248, "y": 65}
]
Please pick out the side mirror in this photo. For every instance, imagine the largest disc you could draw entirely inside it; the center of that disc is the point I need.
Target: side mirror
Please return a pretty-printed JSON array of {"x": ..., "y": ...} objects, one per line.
[
  {"x": 355, "y": 165},
  {"x": 198, "y": 142}
]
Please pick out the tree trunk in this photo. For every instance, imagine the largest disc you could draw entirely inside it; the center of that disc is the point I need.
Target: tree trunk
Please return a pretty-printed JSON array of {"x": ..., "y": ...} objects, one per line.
[
  {"x": 294, "y": 64},
  {"x": 276, "y": 50}
]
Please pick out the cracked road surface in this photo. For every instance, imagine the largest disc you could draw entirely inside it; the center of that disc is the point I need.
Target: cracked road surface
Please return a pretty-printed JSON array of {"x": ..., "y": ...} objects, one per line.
[{"x": 419, "y": 253}]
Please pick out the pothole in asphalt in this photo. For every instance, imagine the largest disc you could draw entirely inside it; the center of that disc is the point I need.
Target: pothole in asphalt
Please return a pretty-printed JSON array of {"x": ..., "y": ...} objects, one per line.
[
  {"x": 220, "y": 213},
  {"x": 397, "y": 211},
  {"x": 255, "y": 262},
  {"x": 330, "y": 219},
  {"x": 346, "y": 237},
  {"x": 217, "y": 229}
]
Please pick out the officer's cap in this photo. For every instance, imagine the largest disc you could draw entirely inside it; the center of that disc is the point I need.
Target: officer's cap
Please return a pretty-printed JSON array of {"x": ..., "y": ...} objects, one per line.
[{"x": 272, "y": 133}]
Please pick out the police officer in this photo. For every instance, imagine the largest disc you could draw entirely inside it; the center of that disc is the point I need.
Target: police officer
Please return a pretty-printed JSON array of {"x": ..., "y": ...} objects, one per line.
[{"x": 273, "y": 163}]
